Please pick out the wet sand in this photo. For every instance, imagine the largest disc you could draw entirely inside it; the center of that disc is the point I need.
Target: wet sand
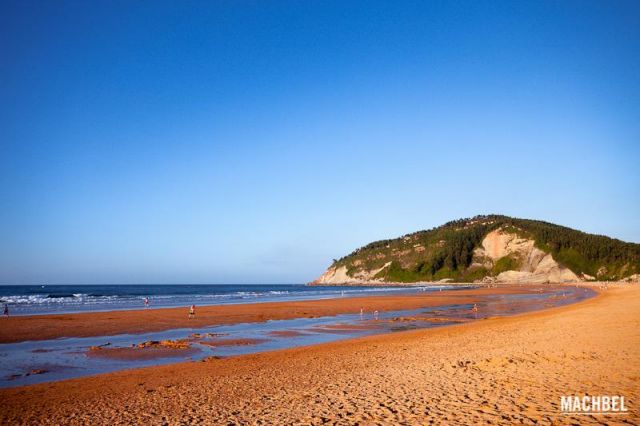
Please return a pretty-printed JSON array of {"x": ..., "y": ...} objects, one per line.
[
  {"x": 502, "y": 370},
  {"x": 286, "y": 333},
  {"x": 43, "y": 327},
  {"x": 140, "y": 354},
  {"x": 232, "y": 342},
  {"x": 160, "y": 350}
]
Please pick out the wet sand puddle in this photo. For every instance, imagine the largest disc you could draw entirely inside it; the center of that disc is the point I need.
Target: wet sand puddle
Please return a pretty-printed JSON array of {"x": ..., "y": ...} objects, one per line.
[{"x": 49, "y": 360}]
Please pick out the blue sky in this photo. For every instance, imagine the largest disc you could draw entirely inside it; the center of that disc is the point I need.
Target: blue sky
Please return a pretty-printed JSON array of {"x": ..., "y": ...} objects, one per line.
[{"x": 252, "y": 142}]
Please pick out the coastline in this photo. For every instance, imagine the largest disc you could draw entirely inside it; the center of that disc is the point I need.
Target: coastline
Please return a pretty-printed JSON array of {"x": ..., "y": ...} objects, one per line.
[
  {"x": 45, "y": 327},
  {"x": 391, "y": 284},
  {"x": 503, "y": 370}
]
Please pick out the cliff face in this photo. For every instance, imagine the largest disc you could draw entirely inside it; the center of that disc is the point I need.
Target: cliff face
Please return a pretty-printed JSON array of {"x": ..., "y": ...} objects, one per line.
[
  {"x": 488, "y": 249},
  {"x": 532, "y": 264},
  {"x": 339, "y": 276}
]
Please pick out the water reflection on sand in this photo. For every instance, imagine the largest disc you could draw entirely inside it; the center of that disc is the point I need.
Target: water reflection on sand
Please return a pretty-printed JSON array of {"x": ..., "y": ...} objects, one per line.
[{"x": 48, "y": 360}]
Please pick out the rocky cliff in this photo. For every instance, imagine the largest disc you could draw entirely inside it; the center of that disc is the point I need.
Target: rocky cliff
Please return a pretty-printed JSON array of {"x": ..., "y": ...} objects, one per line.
[
  {"x": 529, "y": 263},
  {"x": 488, "y": 249}
]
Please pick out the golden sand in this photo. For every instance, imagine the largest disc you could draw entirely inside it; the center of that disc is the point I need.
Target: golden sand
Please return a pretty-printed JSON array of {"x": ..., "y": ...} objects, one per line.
[{"x": 509, "y": 370}]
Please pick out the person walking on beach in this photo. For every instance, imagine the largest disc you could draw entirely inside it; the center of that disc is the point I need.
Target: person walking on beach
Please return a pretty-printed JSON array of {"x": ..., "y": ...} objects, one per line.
[
  {"x": 146, "y": 302},
  {"x": 361, "y": 313},
  {"x": 475, "y": 310},
  {"x": 375, "y": 315},
  {"x": 6, "y": 310},
  {"x": 192, "y": 311}
]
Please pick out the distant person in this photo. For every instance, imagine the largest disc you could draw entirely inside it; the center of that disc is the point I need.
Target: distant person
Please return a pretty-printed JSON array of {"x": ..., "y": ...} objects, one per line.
[
  {"x": 192, "y": 311},
  {"x": 6, "y": 310},
  {"x": 361, "y": 313},
  {"x": 475, "y": 310},
  {"x": 146, "y": 302},
  {"x": 375, "y": 315}
]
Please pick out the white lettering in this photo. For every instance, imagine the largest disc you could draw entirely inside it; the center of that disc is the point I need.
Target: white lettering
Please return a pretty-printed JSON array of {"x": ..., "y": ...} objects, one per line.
[
  {"x": 615, "y": 403},
  {"x": 576, "y": 404},
  {"x": 593, "y": 404}
]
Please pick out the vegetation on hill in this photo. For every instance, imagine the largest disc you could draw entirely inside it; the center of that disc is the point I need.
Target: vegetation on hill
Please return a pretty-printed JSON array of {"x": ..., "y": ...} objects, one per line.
[{"x": 448, "y": 250}]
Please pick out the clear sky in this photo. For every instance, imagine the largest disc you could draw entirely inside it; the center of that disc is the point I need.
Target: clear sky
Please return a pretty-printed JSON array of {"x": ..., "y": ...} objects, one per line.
[{"x": 252, "y": 142}]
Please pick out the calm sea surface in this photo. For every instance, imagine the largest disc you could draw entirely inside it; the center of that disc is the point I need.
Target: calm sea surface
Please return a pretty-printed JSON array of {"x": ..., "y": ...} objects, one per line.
[{"x": 47, "y": 299}]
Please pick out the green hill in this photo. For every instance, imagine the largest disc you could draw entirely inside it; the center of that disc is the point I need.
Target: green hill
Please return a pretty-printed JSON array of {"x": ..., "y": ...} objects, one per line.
[{"x": 489, "y": 248}]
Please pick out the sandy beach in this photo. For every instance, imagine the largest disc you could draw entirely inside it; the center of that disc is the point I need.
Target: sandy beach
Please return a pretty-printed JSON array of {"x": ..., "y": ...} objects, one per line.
[{"x": 499, "y": 371}]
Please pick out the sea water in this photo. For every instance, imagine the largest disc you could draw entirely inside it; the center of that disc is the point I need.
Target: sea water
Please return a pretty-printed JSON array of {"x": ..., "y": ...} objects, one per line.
[{"x": 52, "y": 299}]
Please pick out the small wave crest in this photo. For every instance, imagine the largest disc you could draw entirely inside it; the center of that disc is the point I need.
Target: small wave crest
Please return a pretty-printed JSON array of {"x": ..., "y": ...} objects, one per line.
[
  {"x": 61, "y": 296},
  {"x": 40, "y": 299}
]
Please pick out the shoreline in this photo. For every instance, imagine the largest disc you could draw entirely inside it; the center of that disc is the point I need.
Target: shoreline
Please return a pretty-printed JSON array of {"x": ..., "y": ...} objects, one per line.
[
  {"x": 106, "y": 323},
  {"x": 462, "y": 284},
  {"x": 469, "y": 373}
]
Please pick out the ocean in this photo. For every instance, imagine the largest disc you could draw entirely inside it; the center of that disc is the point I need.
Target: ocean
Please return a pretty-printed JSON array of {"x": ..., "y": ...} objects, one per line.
[{"x": 50, "y": 299}]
